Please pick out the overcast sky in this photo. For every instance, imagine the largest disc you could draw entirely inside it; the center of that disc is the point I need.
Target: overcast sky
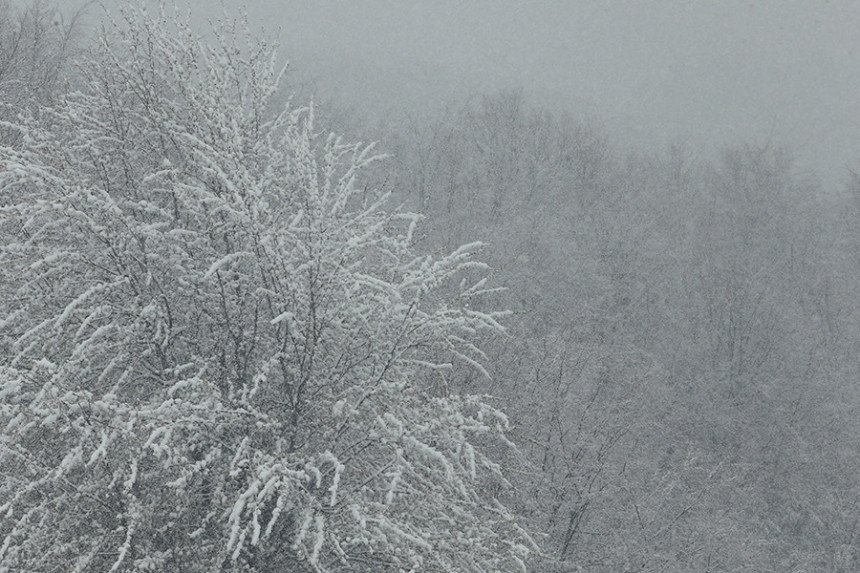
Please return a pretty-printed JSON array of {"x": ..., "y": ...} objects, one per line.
[{"x": 709, "y": 72}]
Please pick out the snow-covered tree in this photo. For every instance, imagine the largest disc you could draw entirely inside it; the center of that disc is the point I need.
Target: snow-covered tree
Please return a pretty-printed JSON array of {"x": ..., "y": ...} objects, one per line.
[{"x": 218, "y": 350}]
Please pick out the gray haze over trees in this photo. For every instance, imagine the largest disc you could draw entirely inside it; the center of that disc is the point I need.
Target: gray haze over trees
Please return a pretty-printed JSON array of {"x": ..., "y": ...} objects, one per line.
[
  {"x": 655, "y": 73},
  {"x": 592, "y": 312},
  {"x": 709, "y": 73}
]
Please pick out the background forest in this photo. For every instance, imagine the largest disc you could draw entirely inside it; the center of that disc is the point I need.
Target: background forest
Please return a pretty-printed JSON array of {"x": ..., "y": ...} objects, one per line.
[{"x": 678, "y": 370}]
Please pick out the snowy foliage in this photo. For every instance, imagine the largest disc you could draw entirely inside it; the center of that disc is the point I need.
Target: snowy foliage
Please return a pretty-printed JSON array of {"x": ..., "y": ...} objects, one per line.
[{"x": 218, "y": 350}]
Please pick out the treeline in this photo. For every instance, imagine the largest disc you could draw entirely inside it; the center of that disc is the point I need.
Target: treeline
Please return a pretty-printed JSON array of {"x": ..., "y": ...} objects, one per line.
[{"x": 682, "y": 356}]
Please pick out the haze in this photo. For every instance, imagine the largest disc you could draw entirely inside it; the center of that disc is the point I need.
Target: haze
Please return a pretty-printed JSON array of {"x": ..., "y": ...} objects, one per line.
[
  {"x": 705, "y": 73},
  {"x": 555, "y": 331},
  {"x": 702, "y": 73}
]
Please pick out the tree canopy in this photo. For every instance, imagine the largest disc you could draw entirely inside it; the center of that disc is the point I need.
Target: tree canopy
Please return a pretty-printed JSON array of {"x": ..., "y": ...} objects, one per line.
[{"x": 222, "y": 351}]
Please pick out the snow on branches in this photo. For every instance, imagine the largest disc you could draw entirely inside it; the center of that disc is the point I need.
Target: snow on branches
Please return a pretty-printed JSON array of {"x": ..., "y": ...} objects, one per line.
[{"x": 219, "y": 352}]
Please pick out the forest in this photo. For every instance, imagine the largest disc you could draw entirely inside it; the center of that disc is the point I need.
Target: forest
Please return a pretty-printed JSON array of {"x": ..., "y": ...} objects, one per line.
[{"x": 234, "y": 339}]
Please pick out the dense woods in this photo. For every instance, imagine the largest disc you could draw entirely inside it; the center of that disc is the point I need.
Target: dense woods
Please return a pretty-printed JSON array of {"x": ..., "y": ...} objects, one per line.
[
  {"x": 230, "y": 341},
  {"x": 683, "y": 353}
]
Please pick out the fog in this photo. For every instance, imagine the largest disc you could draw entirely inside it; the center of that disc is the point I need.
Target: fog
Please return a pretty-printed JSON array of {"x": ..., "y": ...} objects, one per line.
[
  {"x": 596, "y": 311},
  {"x": 705, "y": 74},
  {"x": 652, "y": 73}
]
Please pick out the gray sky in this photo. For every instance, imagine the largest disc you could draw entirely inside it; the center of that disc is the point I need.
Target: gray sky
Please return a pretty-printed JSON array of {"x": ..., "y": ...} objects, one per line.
[{"x": 708, "y": 73}]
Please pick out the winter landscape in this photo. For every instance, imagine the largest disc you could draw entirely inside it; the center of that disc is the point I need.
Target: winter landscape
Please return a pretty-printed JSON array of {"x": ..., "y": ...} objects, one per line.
[{"x": 252, "y": 322}]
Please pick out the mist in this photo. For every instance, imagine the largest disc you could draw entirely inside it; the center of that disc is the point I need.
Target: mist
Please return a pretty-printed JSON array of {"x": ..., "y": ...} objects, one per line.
[
  {"x": 709, "y": 74},
  {"x": 549, "y": 287}
]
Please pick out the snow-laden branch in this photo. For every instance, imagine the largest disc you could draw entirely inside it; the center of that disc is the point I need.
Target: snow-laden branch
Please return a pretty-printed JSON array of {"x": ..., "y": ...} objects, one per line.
[{"x": 226, "y": 345}]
